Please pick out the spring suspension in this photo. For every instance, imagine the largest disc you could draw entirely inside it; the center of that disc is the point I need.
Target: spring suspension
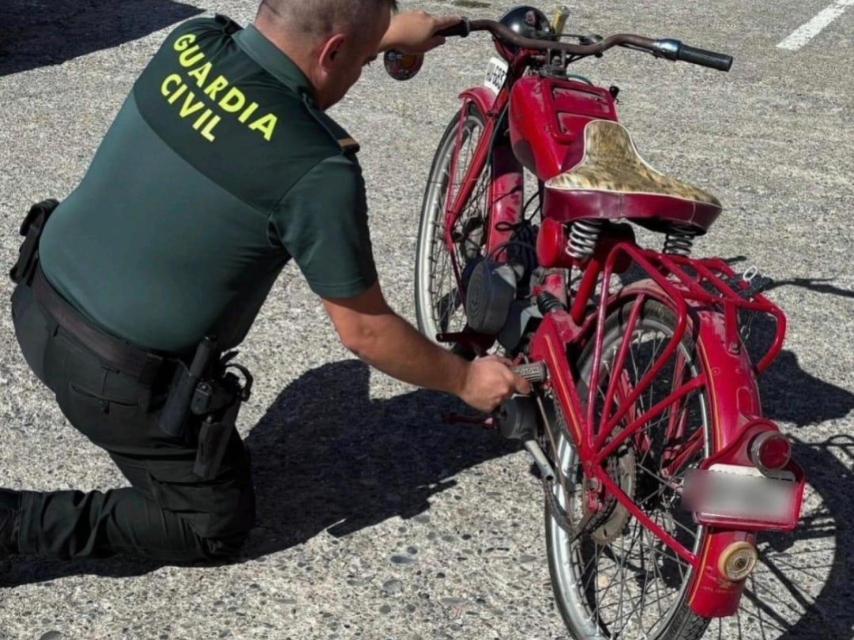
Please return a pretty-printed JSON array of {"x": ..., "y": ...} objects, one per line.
[
  {"x": 680, "y": 240},
  {"x": 582, "y": 238}
]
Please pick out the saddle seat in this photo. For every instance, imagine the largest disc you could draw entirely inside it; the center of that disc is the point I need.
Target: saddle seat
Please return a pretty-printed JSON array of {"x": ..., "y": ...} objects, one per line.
[{"x": 614, "y": 181}]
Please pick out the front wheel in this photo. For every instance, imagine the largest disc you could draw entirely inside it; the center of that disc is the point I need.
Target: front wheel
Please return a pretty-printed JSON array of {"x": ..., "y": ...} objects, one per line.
[
  {"x": 438, "y": 300},
  {"x": 617, "y": 579}
]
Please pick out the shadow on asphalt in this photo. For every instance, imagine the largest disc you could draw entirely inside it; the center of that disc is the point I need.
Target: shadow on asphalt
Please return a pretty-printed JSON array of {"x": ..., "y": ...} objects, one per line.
[
  {"x": 790, "y": 394},
  {"x": 328, "y": 457},
  {"x": 35, "y": 33},
  {"x": 817, "y": 285},
  {"x": 790, "y": 575}
]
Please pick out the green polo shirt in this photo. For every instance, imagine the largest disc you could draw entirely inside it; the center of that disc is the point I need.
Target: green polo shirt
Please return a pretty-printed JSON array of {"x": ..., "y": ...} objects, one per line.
[{"x": 218, "y": 169}]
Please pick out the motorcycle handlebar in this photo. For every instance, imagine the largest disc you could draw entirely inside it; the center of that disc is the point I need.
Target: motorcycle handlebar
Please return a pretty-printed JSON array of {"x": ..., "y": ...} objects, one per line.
[{"x": 666, "y": 48}]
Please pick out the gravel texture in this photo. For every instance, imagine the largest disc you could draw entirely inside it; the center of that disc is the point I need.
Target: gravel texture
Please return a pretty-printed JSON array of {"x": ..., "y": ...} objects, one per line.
[{"x": 376, "y": 520}]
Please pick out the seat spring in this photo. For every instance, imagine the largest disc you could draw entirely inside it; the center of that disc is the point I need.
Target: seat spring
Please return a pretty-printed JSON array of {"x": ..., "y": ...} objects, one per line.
[
  {"x": 583, "y": 237},
  {"x": 680, "y": 240}
]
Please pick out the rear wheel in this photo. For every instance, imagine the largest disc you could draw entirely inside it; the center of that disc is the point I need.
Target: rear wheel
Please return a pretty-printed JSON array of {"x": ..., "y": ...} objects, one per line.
[
  {"x": 439, "y": 304},
  {"x": 616, "y": 579}
]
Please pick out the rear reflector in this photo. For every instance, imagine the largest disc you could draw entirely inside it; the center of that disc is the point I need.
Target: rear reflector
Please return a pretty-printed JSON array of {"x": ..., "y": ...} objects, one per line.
[{"x": 738, "y": 561}]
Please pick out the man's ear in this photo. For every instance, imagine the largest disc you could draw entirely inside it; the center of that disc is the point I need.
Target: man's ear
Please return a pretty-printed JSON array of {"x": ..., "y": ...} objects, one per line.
[{"x": 331, "y": 51}]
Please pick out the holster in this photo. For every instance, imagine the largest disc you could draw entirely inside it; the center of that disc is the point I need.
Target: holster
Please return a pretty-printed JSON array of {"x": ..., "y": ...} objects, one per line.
[
  {"x": 210, "y": 390},
  {"x": 218, "y": 428},
  {"x": 31, "y": 229},
  {"x": 173, "y": 417}
]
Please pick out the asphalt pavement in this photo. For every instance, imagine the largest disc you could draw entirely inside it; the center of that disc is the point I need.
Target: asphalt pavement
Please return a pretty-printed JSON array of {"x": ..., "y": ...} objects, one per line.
[{"x": 376, "y": 520}]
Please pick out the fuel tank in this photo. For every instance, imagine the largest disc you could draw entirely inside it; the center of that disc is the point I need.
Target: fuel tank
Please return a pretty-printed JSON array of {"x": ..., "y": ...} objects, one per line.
[{"x": 547, "y": 118}]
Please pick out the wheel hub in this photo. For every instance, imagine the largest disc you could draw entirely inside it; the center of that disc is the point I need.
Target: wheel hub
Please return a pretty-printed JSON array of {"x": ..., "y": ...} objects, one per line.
[{"x": 608, "y": 518}]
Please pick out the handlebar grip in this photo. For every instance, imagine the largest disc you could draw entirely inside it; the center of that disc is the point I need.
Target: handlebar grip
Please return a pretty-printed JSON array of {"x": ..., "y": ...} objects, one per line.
[
  {"x": 675, "y": 50},
  {"x": 461, "y": 29},
  {"x": 712, "y": 59},
  {"x": 532, "y": 372}
]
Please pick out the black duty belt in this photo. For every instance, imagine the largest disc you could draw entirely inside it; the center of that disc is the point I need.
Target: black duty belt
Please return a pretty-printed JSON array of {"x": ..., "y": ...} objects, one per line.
[{"x": 120, "y": 354}]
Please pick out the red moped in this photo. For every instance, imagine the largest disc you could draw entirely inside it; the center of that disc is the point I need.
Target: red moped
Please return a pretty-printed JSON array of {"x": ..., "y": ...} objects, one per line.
[{"x": 646, "y": 425}]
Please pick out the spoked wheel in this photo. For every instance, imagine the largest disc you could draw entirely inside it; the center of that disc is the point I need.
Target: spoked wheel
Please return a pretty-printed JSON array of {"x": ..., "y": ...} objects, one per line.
[
  {"x": 613, "y": 577},
  {"x": 439, "y": 304}
]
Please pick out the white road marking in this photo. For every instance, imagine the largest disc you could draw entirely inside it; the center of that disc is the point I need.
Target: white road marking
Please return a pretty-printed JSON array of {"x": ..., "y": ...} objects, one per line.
[{"x": 806, "y": 32}]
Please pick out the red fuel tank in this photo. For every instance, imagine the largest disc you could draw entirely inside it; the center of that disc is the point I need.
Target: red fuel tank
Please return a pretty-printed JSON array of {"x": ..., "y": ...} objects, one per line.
[{"x": 547, "y": 118}]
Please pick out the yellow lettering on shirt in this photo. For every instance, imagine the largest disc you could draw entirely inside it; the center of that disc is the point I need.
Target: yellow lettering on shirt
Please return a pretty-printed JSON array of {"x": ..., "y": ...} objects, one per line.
[
  {"x": 190, "y": 107},
  {"x": 216, "y": 86},
  {"x": 192, "y": 56},
  {"x": 266, "y": 125},
  {"x": 201, "y": 119},
  {"x": 233, "y": 101},
  {"x": 201, "y": 74},
  {"x": 174, "y": 78},
  {"x": 175, "y": 96},
  {"x": 252, "y": 108},
  {"x": 185, "y": 41},
  {"x": 207, "y": 132}
]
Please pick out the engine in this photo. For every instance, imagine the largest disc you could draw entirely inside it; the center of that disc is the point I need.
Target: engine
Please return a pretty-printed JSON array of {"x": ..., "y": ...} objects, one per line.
[{"x": 498, "y": 297}]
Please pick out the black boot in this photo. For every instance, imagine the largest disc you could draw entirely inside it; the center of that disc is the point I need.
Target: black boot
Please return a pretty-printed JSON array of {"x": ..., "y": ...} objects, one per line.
[{"x": 10, "y": 506}]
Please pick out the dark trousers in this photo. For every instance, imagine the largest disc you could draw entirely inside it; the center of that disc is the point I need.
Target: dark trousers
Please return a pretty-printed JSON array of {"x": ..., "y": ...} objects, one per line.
[{"x": 167, "y": 513}]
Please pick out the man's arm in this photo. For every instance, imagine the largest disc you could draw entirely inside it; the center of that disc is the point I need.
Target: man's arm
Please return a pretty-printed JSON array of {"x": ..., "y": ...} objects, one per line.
[
  {"x": 376, "y": 334},
  {"x": 415, "y": 32},
  {"x": 323, "y": 224}
]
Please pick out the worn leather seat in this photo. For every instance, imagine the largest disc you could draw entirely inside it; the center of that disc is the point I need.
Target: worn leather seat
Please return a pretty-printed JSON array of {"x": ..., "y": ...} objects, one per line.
[{"x": 614, "y": 181}]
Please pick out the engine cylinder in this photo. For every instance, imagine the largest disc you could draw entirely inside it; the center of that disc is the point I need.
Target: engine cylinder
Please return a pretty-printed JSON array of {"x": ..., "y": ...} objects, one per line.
[{"x": 491, "y": 291}]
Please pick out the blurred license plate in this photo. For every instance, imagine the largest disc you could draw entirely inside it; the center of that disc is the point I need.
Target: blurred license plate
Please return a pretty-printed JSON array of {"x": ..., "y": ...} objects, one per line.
[
  {"x": 496, "y": 74},
  {"x": 725, "y": 492}
]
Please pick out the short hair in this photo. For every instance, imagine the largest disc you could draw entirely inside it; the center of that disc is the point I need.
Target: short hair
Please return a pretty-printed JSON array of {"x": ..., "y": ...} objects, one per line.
[{"x": 321, "y": 17}]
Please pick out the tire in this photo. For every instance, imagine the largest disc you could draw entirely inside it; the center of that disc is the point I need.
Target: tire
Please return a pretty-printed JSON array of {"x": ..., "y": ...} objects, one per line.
[
  {"x": 438, "y": 304},
  {"x": 579, "y": 569}
]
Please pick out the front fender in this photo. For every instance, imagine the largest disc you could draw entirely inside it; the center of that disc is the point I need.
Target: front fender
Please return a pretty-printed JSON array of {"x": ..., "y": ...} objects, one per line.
[{"x": 483, "y": 98}]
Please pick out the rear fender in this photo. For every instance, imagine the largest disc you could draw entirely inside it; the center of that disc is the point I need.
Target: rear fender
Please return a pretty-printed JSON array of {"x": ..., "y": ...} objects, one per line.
[{"x": 736, "y": 409}]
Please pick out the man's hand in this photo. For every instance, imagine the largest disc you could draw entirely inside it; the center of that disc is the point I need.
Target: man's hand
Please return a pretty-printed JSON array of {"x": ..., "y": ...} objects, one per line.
[
  {"x": 415, "y": 32},
  {"x": 489, "y": 382},
  {"x": 369, "y": 328}
]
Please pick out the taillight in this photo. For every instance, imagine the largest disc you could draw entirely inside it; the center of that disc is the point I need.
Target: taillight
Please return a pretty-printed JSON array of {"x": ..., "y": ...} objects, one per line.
[{"x": 770, "y": 451}]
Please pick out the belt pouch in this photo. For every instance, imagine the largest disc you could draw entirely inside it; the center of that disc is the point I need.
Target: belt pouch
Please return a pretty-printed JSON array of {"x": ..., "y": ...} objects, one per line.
[
  {"x": 31, "y": 229},
  {"x": 213, "y": 442},
  {"x": 174, "y": 414}
]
